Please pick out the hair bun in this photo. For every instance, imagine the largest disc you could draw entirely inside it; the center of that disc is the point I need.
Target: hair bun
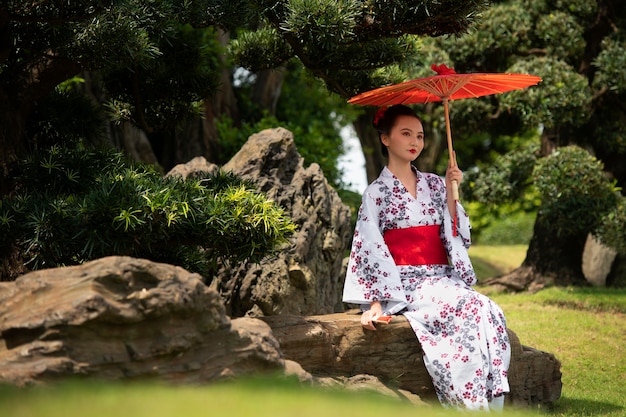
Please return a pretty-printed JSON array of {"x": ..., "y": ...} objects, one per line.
[{"x": 379, "y": 115}]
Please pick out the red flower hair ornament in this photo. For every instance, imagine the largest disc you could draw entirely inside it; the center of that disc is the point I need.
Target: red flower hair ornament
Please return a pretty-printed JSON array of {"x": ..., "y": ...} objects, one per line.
[
  {"x": 379, "y": 115},
  {"x": 442, "y": 69}
]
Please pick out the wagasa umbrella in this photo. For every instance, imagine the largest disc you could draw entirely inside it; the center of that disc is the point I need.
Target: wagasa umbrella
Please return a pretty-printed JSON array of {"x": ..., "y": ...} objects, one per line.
[{"x": 445, "y": 86}]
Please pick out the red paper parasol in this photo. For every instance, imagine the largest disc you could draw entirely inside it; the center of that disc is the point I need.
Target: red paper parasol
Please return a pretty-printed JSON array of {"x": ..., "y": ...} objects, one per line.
[{"x": 445, "y": 86}]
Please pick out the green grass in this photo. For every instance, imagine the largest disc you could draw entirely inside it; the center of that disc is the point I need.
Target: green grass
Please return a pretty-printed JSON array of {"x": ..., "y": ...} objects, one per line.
[
  {"x": 491, "y": 261},
  {"x": 588, "y": 337},
  {"x": 584, "y": 327}
]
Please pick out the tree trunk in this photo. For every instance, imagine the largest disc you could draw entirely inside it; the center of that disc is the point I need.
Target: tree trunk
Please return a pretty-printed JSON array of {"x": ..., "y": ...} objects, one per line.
[
  {"x": 550, "y": 259},
  {"x": 11, "y": 132},
  {"x": 617, "y": 276},
  {"x": 267, "y": 88},
  {"x": 222, "y": 103},
  {"x": 370, "y": 143}
]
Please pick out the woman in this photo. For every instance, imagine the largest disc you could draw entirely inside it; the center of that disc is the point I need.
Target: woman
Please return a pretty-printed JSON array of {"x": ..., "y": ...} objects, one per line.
[{"x": 405, "y": 259}]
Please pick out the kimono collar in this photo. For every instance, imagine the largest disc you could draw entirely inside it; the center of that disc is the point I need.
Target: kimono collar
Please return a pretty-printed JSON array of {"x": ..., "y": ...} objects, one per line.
[{"x": 387, "y": 174}]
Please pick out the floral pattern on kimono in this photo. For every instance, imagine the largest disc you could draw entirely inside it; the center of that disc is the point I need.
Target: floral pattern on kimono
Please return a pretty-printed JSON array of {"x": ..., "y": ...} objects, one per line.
[{"x": 462, "y": 332}]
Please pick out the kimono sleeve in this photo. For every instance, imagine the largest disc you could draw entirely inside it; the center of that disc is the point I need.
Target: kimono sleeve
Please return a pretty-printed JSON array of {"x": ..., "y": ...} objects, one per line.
[
  {"x": 372, "y": 274},
  {"x": 458, "y": 245}
]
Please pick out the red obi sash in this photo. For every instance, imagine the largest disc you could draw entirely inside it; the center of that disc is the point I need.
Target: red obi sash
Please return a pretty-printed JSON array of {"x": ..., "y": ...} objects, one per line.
[{"x": 419, "y": 245}]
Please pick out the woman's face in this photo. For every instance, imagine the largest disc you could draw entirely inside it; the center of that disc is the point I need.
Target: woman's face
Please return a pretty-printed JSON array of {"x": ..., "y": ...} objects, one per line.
[{"x": 405, "y": 141}]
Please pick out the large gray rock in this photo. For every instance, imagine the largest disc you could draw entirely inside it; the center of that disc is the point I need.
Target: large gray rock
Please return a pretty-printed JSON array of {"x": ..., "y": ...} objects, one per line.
[
  {"x": 121, "y": 317},
  {"x": 307, "y": 276},
  {"x": 597, "y": 261}
]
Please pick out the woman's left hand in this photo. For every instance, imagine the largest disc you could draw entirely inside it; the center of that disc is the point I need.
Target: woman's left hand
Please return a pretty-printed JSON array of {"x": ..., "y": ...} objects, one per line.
[{"x": 453, "y": 173}]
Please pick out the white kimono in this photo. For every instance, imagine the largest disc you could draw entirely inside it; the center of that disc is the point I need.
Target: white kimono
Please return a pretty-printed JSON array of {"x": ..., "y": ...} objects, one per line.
[{"x": 462, "y": 332}]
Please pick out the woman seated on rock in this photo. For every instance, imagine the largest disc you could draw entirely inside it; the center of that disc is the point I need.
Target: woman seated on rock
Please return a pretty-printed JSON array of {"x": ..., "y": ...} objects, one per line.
[{"x": 407, "y": 259}]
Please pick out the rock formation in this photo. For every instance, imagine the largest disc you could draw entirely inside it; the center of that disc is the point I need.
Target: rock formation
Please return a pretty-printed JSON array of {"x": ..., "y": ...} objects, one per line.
[{"x": 125, "y": 318}]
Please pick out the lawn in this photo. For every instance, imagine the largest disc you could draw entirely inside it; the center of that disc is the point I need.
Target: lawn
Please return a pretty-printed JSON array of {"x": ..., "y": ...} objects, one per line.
[
  {"x": 584, "y": 328},
  {"x": 588, "y": 340},
  {"x": 491, "y": 261}
]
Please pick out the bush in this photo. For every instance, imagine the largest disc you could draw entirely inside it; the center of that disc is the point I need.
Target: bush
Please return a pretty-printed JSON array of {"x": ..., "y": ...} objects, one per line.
[
  {"x": 74, "y": 205},
  {"x": 575, "y": 193},
  {"x": 513, "y": 229}
]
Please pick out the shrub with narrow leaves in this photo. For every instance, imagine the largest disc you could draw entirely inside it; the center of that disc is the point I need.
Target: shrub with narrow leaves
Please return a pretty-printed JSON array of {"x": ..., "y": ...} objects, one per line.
[{"x": 75, "y": 205}]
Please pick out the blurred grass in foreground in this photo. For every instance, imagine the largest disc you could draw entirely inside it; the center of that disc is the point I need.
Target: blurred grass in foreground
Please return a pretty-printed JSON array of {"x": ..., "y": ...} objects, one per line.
[{"x": 259, "y": 397}]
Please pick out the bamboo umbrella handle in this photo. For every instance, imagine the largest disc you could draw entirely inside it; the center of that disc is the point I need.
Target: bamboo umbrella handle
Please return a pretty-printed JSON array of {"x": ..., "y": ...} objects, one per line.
[
  {"x": 455, "y": 185},
  {"x": 455, "y": 190}
]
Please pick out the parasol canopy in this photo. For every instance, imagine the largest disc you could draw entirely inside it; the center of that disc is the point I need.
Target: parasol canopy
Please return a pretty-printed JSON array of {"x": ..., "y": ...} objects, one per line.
[{"x": 446, "y": 85}]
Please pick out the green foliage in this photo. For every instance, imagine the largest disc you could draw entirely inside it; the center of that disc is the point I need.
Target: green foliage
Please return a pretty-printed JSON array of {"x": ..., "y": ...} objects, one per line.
[
  {"x": 323, "y": 23},
  {"x": 153, "y": 62},
  {"x": 345, "y": 42},
  {"x": 157, "y": 94},
  {"x": 504, "y": 180},
  {"x": 610, "y": 63},
  {"x": 74, "y": 205},
  {"x": 65, "y": 117},
  {"x": 562, "y": 98},
  {"x": 561, "y": 35},
  {"x": 500, "y": 199},
  {"x": 503, "y": 29},
  {"x": 260, "y": 49},
  {"x": 612, "y": 229},
  {"x": 514, "y": 228},
  {"x": 575, "y": 193}
]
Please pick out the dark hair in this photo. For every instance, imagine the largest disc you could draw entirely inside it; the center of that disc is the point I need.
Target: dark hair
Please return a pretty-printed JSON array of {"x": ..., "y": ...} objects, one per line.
[{"x": 385, "y": 119}]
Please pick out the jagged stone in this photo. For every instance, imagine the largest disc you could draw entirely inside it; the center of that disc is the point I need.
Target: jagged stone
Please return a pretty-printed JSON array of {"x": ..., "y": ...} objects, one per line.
[
  {"x": 125, "y": 318},
  {"x": 307, "y": 277},
  {"x": 198, "y": 165}
]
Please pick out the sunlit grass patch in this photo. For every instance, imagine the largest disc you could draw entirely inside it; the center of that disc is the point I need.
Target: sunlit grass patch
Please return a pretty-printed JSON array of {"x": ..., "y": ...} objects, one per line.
[
  {"x": 491, "y": 261},
  {"x": 586, "y": 334}
]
